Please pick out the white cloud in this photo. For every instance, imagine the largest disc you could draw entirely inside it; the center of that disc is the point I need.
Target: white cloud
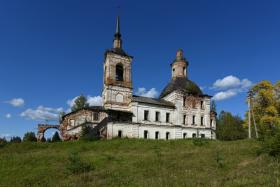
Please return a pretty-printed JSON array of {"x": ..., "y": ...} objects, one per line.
[
  {"x": 230, "y": 82},
  {"x": 16, "y": 102},
  {"x": 94, "y": 101},
  {"x": 91, "y": 100},
  {"x": 224, "y": 95},
  {"x": 153, "y": 93},
  {"x": 230, "y": 86},
  {"x": 42, "y": 113},
  {"x": 8, "y": 116}
]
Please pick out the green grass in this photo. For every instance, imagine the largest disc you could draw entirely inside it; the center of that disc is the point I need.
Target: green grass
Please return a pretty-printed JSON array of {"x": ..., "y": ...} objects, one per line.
[{"x": 137, "y": 163}]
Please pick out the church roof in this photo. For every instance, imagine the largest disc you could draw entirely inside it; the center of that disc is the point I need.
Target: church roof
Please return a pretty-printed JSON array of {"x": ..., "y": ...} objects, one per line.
[
  {"x": 118, "y": 51},
  {"x": 152, "y": 101},
  {"x": 181, "y": 84}
]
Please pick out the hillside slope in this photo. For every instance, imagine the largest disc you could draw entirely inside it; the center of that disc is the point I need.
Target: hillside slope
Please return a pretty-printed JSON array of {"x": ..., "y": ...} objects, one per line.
[{"x": 138, "y": 163}]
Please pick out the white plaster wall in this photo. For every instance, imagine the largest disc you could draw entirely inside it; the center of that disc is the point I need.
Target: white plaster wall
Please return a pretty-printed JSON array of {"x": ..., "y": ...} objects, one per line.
[{"x": 135, "y": 130}]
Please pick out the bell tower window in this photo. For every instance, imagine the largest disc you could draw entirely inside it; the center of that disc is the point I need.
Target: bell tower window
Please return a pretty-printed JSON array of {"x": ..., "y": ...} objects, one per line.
[{"x": 119, "y": 72}]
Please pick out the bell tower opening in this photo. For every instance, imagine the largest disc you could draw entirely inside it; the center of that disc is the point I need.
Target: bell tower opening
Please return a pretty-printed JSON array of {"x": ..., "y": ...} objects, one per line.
[{"x": 119, "y": 72}]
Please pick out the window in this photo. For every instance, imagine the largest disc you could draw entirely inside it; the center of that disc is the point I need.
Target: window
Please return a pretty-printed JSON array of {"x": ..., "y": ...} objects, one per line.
[
  {"x": 95, "y": 116},
  {"x": 157, "y": 135},
  {"x": 184, "y": 135},
  {"x": 119, "y": 133},
  {"x": 201, "y": 105},
  {"x": 119, "y": 72},
  {"x": 167, "y": 117},
  {"x": 201, "y": 121},
  {"x": 184, "y": 101},
  {"x": 72, "y": 122},
  {"x": 194, "y": 135},
  {"x": 145, "y": 134},
  {"x": 184, "y": 70},
  {"x": 157, "y": 116},
  {"x": 193, "y": 120},
  {"x": 202, "y": 135},
  {"x": 146, "y": 115},
  {"x": 211, "y": 122},
  {"x": 184, "y": 119},
  {"x": 167, "y": 135}
]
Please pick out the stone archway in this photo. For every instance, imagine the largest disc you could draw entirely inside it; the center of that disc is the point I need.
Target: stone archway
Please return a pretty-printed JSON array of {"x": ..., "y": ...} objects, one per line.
[{"x": 42, "y": 129}]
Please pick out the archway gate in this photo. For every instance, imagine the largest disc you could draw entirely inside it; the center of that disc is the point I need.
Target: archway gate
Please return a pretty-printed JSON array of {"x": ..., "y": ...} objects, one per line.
[{"x": 42, "y": 129}]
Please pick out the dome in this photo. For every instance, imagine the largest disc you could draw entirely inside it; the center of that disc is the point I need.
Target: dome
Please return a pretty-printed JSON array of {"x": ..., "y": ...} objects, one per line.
[{"x": 181, "y": 84}]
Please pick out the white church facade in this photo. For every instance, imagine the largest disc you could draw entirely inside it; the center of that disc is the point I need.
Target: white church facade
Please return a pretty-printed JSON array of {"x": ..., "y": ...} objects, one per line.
[{"x": 181, "y": 111}]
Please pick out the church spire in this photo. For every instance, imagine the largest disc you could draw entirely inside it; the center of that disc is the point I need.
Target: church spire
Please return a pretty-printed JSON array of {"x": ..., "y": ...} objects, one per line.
[{"x": 117, "y": 39}]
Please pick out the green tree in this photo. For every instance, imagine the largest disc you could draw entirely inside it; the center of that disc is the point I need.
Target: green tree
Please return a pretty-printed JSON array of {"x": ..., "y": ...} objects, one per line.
[
  {"x": 230, "y": 127},
  {"x": 15, "y": 139},
  {"x": 61, "y": 116},
  {"x": 213, "y": 106},
  {"x": 56, "y": 137},
  {"x": 87, "y": 133},
  {"x": 29, "y": 137},
  {"x": 79, "y": 103},
  {"x": 265, "y": 105}
]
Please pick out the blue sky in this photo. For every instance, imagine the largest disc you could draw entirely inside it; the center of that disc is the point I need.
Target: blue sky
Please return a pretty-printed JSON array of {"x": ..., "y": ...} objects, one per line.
[{"x": 51, "y": 51}]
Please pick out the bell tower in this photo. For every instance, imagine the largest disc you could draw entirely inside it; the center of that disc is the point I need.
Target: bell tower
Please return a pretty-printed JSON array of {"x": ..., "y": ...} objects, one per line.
[
  {"x": 179, "y": 65},
  {"x": 117, "y": 86}
]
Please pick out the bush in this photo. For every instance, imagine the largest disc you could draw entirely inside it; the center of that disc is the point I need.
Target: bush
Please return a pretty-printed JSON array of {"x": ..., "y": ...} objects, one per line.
[
  {"x": 88, "y": 134},
  {"x": 15, "y": 139},
  {"x": 200, "y": 141},
  {"x": 29, "y": 137},
  {"x": 56, "y": 137},
  {"x": 219, "y": 160},
  {"x": 3, "y": 142},
  {"x": 76, "y": 165},
  {"x": 271, "y": 145}
]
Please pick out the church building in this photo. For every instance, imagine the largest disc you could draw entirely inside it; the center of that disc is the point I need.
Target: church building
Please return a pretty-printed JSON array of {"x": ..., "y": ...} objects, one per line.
[{"x": 181, "y": 111}]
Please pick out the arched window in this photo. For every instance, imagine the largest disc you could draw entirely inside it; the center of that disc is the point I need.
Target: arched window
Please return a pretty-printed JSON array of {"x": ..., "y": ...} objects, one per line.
[{"x": 119, "y": 72}]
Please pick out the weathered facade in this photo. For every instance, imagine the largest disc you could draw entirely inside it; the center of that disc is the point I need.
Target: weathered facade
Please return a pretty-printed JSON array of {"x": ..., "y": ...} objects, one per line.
[{"x": 181, "y": 111}]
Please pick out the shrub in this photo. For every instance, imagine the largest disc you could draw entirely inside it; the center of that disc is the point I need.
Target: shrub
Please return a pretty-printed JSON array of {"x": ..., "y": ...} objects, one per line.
[
  {"x": 200, "y": 141},
  {"x": 15, "y": 139},
  {"x": 56, "y": 137},
  {"x": 88, "y": 133},
  {"x": 76, "y": 165},
  {"x": 271, "y": 145},
  {"x": 219, "y": 160},
  {"x": 3, "y": 142},
  {"x": 43, "y": 139}
]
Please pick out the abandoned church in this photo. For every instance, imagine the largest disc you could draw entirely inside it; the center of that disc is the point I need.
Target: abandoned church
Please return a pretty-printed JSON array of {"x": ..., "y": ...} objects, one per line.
[{"x": 181, "y": 111}]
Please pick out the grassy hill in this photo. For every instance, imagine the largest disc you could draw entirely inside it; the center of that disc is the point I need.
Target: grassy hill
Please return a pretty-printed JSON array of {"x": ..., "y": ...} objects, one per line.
[{"x": 137, "y": 163}]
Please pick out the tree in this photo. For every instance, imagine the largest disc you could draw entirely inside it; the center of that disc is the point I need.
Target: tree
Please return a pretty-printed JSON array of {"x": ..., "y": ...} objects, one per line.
[
  {"x": 265, "y": 105},
  {"x": 230, "y": 127},
  {"x": 29, "y": 137},
  {"x": 43, "y": 139},
  {"x": 56, "y": 137},
  {"x": 3, "y": 141},
  {"x": 61, "y": 114},
  {"x": 213, "y": 106},
  {"x": 15, "y": 139},
  {"x": 88, "y": 133},
  {"x": 79, "y": 103}
]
